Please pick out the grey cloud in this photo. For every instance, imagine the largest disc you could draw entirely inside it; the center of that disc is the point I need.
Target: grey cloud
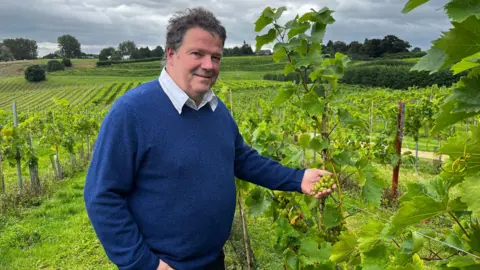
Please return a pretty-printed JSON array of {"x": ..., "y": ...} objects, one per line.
[{"x": 102, "y": 23}]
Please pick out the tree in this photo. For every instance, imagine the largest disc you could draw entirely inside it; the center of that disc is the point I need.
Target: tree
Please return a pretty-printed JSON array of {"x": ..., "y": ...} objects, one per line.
[
  {"x": 144, "y": 53},
  {"x": 246, "y": 49},
  {"x": 372, "y": 47},
  {"x": 105, "y": 53},
  {"x": 340, "y": 46},
  {"x": 127, "y": 47},
  {"x": 5, "y": 54},
  {"x": 393, "y": 44},
  {"x": 69, "y": 46},
  {"x": 355, "y": 47},
  {"x": 416, "y": 49},
  {"x": 22, "y": 48},
  {"x": 34, "y": 73},
  {"x": 157, "y": 52}
]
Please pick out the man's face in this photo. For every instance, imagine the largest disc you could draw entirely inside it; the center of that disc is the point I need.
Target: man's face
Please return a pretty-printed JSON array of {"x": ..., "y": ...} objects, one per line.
[{"x": 196, "y": 64}]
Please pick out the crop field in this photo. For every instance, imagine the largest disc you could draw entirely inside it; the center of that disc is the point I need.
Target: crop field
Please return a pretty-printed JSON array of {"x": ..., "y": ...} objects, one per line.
[{"x": 405, "y": 160}]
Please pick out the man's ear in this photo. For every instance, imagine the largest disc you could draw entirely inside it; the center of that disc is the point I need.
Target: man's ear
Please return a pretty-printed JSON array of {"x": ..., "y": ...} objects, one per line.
[{"x": 170, "y": 54}]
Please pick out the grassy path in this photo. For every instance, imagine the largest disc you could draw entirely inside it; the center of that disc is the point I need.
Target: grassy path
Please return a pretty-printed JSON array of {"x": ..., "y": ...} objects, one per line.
[{"x": 56, "y": 235}]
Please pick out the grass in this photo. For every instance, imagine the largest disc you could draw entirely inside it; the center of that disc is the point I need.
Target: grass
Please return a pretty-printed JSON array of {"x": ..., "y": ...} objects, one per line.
[{"x": 56, "y": 235}]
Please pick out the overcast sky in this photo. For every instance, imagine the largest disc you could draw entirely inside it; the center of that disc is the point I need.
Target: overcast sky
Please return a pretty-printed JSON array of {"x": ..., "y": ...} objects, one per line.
[{"x": 101, "y": 23}]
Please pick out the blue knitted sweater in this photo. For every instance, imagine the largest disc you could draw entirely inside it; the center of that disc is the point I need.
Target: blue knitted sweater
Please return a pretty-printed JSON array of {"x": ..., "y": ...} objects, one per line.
[{"x": 161, "y": 184}]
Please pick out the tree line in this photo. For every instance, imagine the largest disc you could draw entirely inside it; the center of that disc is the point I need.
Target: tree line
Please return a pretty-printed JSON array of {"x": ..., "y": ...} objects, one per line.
[
  {"x": 69, "y": 47},
  {"x": 373, "y": 48}
]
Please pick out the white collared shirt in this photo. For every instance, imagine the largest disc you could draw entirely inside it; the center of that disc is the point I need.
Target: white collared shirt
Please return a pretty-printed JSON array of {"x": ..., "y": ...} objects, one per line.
[{"x": 179, "y": 98}]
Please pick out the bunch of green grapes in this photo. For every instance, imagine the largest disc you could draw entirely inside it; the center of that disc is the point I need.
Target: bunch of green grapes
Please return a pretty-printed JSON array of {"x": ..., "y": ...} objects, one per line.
[{"x": 324, "y": 183}]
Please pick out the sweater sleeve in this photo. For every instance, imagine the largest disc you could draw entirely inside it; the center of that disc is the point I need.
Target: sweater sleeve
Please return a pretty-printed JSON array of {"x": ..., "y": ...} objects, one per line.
[
  {"x": 264, "y": 171},
  {"x": 110, "y": 178}
]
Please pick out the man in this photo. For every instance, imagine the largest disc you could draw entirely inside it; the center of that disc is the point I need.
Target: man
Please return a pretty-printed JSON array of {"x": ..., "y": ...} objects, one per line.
[{"x": 160, "y": 190}]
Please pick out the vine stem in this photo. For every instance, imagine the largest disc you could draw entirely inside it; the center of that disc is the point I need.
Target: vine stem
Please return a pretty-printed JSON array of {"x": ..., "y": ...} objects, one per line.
[
  {"x": 339, "y": 188},
  {"x": 458, "y": 222}
]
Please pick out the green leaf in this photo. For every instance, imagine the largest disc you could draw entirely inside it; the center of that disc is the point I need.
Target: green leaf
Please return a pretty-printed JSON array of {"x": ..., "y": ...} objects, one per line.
[
  {"x": 447, "y": 115},
  {"x": 461, "y": 261},
  {"x": 467, "y": 91},
  {"x": 291, "y": 259},
  {"x": 279, "y": 13},
  {"x": 289, "y": 68},
  {"x": 372, "y": 184},
  {"x": 347, "y": 119},
  {"x": 265, "y": 39},
  {"x": 312, "y": 104},
  {"x": 470, "y": 190},
  {"x": 376, "y": 258},
  {"x": 318, "y": 32},
  {"x": 298, "y": 28},
  {"x": 318, "y": 144},
  {"x": 466, "y": 63},
  {"x": 457, "y": 205},
  {"x": 268, "y": 16},
  {"x": 279, "y": 52},
  {"x": 331, "y": 216},
  {"x": 417, "y": 210},
  {"x": 455, "y": 149},
  {"x": 283, "y": 95},
  {"x": 304, "y": 140},
  {"x": 323, "y": 16},
  {"x": 459, "y": 10},
  {"x": 256, "y": 202},
  {"x": 412, "y": 4},
  {"x": 344, "y": 249},
  {"x": 433, "y": 61},
  {"x": 369, "y": 235},
  {"x": 461, "y": 41},
  {"x": 310, "y": 254}
]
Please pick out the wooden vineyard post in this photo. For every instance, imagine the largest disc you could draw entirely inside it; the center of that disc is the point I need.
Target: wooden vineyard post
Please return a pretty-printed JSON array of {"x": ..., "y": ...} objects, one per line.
[
  {"x": 19, "y": 165},
  {"x": 398, "y": 146}
]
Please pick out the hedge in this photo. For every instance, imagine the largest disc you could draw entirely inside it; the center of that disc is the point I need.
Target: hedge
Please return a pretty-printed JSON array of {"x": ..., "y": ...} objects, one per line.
[
  {"x": 109, "y": 62},
  {"x": 397, "y": 77},
  {"x": 388, "y": 76}
]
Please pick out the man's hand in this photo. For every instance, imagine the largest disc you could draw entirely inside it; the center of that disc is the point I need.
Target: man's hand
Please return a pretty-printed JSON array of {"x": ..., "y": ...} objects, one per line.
[
  {"x": 311, "y": 177},
  {"x": 164, "y": 266}
]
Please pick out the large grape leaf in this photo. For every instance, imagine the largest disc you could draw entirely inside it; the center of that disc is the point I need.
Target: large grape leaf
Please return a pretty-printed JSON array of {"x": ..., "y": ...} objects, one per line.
[
  {"x": 369, "y": 235},
  {"x": 461, "y": 261},
  {"x": 268, "y": 16},
  {"x": 462, "y": 40},
  {"x": 372, "y": 184},
  {"x": 345, "y": 248},
  {"x": 465, "y": 149},
  {"x": 468, "y": 91},
  {"x": 257, "y": 202},
  {"x": 412, "y": 4},
  {"x": 311, "y": 254},
  {"x": 332, "y": 216},
  {"x": 466, "y": 63},
  {"x": 376, "y": 258},
  {"x": 470, "y": 190},
  {"x": 459, "y": 10},
  {"x": 447, "y": 115},
  {"x": 416, "y": 210},
  {"x": 265, "y": 39},
  {"x": 433, "y": 61}
]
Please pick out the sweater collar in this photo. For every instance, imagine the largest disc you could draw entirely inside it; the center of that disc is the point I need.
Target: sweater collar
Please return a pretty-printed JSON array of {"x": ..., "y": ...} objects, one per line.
[{"x": 179, "y": 98}]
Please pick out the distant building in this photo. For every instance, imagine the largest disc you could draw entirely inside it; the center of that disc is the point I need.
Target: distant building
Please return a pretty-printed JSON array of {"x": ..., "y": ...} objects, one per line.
[{"x": 264, "y": 52}]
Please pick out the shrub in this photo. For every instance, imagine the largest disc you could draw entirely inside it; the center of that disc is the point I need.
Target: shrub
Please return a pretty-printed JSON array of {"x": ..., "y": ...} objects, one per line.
[
  {"x": 35, "y": 73},
  {"x": 54, "y": 65},
  {"x": 66, "y": 62},
  {"x": 397, "y": 77},
  {"x": 113, "y": 62}
]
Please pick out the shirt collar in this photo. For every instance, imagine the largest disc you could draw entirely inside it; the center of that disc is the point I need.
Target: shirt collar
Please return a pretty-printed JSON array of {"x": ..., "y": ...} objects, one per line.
[{"x": 179, "y": 98}]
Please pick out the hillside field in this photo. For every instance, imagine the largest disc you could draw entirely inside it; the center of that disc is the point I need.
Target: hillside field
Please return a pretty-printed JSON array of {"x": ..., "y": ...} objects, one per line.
[{"x": 52, "y": 230}]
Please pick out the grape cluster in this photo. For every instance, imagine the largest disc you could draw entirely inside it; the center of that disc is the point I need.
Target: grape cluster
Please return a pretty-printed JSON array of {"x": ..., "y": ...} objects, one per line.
[{"x": 324, "y": 183}]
